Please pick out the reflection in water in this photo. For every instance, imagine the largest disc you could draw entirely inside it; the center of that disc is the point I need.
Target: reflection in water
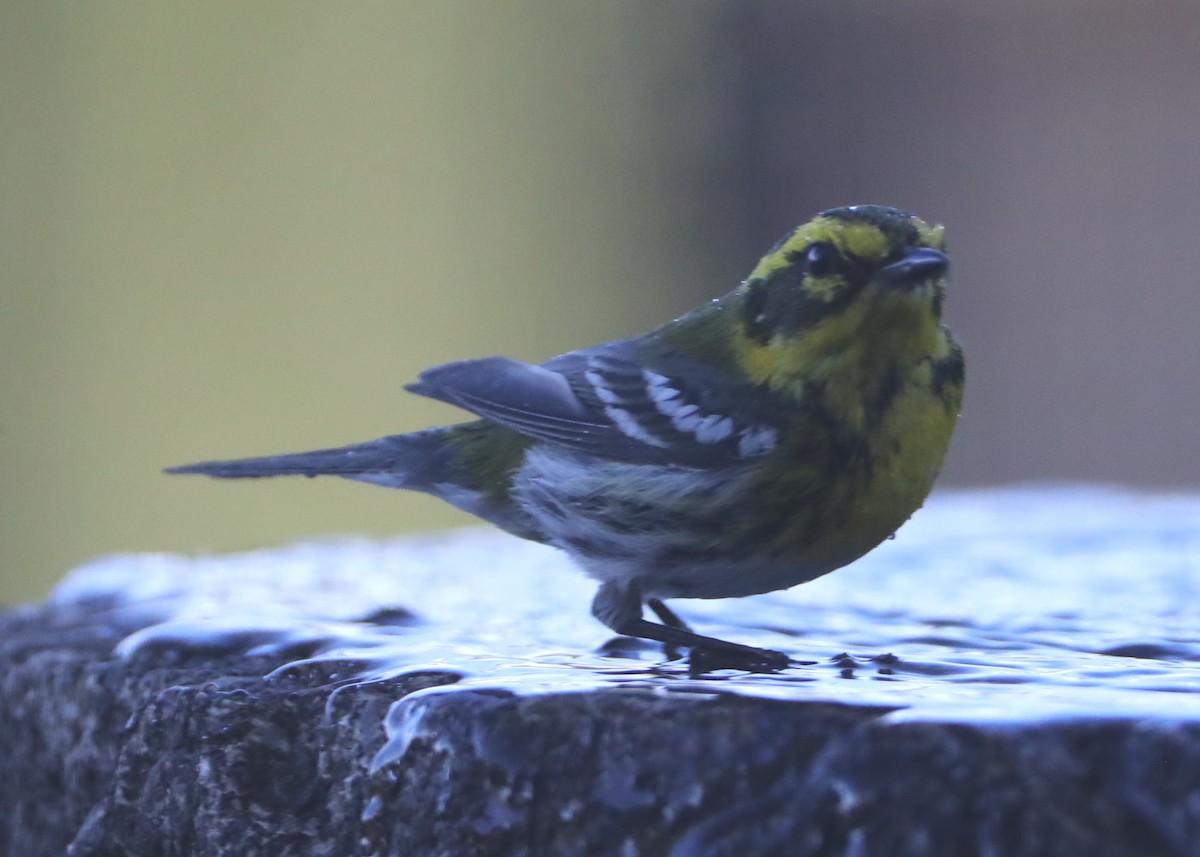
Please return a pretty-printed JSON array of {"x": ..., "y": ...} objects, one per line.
[{"x": 1000, "y": 605}]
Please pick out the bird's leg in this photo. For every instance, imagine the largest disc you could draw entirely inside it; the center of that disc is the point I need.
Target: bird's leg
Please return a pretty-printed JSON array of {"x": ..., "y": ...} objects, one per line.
[
  {"x": 620, "y": 608},
  {"x": 671, "y": 619},
  {"x": 668, "y": 616}
]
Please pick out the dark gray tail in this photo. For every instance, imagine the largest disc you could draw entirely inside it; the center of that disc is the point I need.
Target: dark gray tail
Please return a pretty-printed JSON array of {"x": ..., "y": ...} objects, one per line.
[{"x": 402, "y": 461}]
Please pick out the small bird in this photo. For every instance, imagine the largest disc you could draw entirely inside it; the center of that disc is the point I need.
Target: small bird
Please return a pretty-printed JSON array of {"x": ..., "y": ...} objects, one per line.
[{"x": 767, "y": 438}]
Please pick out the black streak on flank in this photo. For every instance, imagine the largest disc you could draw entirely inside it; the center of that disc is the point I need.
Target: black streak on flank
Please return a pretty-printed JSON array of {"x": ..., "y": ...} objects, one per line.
[
  {"x": 884, "y": 394},
  {"x": 840, "y": 449},
  {"x": 947, "y": 372}
]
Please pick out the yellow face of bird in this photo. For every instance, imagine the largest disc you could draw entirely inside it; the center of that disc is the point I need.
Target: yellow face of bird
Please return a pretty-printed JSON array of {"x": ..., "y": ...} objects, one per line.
[{"x": 862, "y": 284}]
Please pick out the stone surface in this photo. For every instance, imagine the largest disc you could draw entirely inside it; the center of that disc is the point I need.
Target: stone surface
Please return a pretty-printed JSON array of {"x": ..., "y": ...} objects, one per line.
[{"x": 1015, "y": 675}]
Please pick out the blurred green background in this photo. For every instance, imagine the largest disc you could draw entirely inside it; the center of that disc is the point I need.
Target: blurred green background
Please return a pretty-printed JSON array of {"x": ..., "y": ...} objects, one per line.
[{"x": 233, "y": 229}]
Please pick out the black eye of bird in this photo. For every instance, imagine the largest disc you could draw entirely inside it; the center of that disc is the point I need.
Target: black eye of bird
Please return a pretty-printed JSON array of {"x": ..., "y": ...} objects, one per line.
[{"x": 822, "y": 258}]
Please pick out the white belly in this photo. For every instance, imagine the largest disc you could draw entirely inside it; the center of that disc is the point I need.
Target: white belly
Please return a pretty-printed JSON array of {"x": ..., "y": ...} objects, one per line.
[{"x": 670, "y": 530}]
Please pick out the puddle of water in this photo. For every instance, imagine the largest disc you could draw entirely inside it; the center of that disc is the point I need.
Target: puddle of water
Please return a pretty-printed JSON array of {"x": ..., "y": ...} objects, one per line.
[{"x": 1001, "y": 606}]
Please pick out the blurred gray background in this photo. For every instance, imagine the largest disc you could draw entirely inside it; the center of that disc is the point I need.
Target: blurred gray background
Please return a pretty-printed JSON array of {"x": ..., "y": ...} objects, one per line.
[{"x": 231, "y": 229}]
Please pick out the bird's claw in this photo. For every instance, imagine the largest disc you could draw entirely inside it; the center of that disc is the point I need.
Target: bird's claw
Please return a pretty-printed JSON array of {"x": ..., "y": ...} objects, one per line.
[{"x": 705, "y": 660}]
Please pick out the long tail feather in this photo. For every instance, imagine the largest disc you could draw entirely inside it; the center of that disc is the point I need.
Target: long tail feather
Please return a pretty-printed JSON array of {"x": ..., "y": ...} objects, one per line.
[{"x": 405, "y": 460}]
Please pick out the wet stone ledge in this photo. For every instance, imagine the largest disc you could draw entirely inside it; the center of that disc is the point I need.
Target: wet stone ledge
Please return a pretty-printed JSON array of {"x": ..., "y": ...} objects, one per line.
[{"x": 1015, "y": 674}]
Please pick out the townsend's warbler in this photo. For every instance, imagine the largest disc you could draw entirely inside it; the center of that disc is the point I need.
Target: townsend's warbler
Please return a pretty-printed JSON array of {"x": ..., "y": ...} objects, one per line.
[{"x": 769, "y": 437}]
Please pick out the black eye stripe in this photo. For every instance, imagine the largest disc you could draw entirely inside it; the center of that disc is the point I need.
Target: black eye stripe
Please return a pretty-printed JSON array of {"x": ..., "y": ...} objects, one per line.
[{"x": 754, "y": 311}]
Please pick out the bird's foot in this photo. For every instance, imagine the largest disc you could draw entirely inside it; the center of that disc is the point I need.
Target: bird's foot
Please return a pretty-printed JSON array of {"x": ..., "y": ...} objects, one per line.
[
  {"x": 703, "y": 659},
  {"x": 620, "y": 607},
  {"x": 709, "y": 653}
]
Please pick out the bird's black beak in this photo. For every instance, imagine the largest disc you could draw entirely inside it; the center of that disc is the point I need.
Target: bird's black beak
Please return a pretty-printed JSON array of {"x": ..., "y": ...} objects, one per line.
[{"x": 917, "y": 265}]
